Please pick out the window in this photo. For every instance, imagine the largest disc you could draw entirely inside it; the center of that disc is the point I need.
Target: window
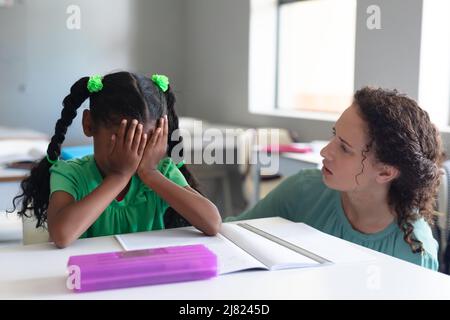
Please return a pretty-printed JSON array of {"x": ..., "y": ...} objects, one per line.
[
  {"x": 315, "y": 55},
  {"x": 434, "y": 80},
  {"x": 303, "y": 53}
]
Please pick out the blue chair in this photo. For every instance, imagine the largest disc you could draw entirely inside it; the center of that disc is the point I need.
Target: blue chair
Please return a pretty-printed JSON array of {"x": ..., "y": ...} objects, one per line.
[{"x": 76, "y": 152}]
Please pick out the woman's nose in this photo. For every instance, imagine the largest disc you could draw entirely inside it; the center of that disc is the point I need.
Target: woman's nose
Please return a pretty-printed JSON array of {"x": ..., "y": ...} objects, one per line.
[{"x": 326, "y": 152}]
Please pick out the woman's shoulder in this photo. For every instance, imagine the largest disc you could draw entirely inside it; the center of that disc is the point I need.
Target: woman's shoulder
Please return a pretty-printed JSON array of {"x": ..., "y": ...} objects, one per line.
[
  {"x": 305, "y": 187},
  {"x": 309, "y": 179},
  {"x": 306, "y": 174}
]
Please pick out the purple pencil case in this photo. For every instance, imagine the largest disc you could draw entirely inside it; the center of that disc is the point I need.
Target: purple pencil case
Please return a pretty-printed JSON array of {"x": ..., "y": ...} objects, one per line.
[{"x": 140, "y": 267}]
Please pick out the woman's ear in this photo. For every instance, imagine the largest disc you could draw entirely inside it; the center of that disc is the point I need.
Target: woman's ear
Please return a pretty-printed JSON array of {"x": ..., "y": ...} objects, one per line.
[
  {"x": 387, "y": 174},
  {"x": 87, "y": 123}
]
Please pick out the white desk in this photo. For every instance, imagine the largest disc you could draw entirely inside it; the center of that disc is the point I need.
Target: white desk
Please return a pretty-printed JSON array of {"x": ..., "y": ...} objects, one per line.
[{"x": 39, "y": 272}]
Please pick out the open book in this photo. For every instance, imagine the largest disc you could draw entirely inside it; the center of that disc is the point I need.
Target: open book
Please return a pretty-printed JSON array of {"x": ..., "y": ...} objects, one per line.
[{"x": 268, "y": 243}]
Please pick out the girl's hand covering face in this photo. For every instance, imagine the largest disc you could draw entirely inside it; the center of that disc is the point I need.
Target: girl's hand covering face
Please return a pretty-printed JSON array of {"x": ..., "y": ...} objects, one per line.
[
  {"x": 156, "y": 147},
  {"x": 126, "y": 149}
]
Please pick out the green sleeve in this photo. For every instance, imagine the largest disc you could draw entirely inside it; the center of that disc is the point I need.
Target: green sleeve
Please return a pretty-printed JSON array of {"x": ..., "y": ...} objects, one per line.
[
  {"x": 283, "y": 201},
  {"x": 168, "y": 168},
  {"x": 63, "y": 178}
]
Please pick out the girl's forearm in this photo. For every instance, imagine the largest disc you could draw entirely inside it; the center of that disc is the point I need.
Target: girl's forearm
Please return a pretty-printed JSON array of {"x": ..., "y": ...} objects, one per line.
[
  {"x": 72, "y": 221},
  {"x": 195, "y": 208}
]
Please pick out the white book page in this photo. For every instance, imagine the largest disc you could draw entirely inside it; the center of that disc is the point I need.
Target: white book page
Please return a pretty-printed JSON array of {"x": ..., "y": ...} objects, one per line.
[
  {"x": 332, "y": 248},
  {"x": 271, "y": 254},
  {"x": 230, "y": 258}
]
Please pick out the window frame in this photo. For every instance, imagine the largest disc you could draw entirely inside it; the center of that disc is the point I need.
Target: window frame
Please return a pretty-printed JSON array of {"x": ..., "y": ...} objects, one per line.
[{"x": 308, "y": 114}]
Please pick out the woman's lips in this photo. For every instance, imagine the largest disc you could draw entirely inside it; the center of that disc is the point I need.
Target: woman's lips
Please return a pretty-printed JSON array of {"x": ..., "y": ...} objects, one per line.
[{"x": 326, "y": 170}]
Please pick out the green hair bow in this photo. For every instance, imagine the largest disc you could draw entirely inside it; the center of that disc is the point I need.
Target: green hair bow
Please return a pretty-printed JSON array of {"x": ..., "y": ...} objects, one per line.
[
  {"x": 161, "y": 81},
  {"x": 95, "y": 83}
]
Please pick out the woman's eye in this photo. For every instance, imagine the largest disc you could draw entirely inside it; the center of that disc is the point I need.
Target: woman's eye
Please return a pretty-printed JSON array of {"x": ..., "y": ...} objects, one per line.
[{"x": 344, "y": 148}]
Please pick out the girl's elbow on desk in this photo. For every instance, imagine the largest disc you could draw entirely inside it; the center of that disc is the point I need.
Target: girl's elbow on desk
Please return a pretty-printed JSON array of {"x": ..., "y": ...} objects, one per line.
[
  {"x": 62, "y": 242},
  {"x": 213, "y": 228},
  {"x": 212, "y": 223},
  {"x": 60, "y": 238}
]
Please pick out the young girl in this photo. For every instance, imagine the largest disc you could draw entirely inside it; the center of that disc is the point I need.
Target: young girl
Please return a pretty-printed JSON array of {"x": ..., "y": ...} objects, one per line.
[
  {"x": 378, "y": 183},
  {"x": 129, "y": 183}
]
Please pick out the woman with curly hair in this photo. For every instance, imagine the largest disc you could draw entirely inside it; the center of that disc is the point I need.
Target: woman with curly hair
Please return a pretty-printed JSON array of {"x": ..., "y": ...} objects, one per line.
[{"x": 378, "y": 183}]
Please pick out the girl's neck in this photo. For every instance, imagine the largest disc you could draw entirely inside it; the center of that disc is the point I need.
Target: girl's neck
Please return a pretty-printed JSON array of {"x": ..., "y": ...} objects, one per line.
[{"x": 367, "y": 212}]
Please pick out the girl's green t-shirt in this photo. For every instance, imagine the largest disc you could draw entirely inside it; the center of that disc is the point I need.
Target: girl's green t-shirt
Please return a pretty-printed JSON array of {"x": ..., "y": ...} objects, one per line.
[
  {"x": 140, "y": 210},
  {"x": 305, "y": 198}
]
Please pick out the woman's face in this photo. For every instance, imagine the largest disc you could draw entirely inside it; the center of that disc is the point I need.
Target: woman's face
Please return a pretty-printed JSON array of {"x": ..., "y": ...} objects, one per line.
[{"x": 345, "y": 166}]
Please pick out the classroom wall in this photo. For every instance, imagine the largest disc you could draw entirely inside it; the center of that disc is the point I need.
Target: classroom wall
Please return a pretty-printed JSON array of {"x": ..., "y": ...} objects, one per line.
[
  {"x": 218, "y": 37},
  {"x": 390, "y": 56},
  {"x": 203, "y": 45},
  {"x": 218, "y": 59},
  {"x": 40, "y": 58}
]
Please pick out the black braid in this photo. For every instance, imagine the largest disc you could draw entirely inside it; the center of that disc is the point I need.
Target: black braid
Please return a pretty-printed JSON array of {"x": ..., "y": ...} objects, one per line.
[{"x": 36, "y": 187}]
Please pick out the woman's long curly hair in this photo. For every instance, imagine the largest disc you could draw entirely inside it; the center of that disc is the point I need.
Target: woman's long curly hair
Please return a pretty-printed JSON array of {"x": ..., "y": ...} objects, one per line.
[{"x": 402, "y": 135}]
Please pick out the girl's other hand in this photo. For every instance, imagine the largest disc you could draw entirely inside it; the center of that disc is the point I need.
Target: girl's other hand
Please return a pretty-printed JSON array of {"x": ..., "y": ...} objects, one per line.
[
  {"x": 156, "y": 148},
  {"x": 126, "y": 149}
]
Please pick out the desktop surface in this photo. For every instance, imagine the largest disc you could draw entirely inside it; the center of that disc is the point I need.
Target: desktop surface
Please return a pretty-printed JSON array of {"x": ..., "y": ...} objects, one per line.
[{"x": 40, "y": 272}]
